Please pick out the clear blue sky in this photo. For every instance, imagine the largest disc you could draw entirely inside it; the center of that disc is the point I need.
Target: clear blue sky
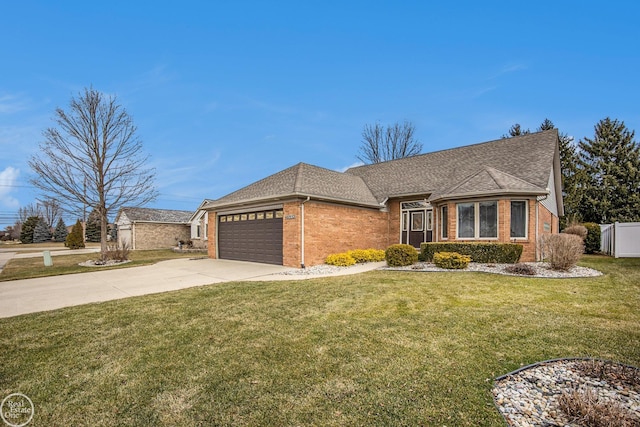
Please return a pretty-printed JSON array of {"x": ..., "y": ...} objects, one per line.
[{"x": 228, "y": 92}]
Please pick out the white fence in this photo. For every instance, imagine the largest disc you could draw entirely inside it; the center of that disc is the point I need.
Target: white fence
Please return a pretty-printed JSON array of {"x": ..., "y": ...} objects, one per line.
[{"x": 621, "y": 240}]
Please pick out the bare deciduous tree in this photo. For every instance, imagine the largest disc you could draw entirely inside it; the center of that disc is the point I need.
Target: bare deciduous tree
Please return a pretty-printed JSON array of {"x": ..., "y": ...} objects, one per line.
[
  {"x": 93, "y": 158},
  {"x": 50, "y": 211},
  {"x": 27, "y": 211},
  {"x": 380, "y": 144}
]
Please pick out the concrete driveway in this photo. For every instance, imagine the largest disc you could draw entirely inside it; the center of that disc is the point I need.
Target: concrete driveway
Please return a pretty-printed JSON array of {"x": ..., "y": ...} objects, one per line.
[{"x": 49, "y": 293}]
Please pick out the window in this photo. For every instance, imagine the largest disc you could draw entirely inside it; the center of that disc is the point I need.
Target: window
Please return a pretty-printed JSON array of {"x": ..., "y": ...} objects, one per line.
[
  {"x": 466, "y": 221},
  {"x": 405, "y": 221},
  {"x": 429, "y": 220},
  {"x": 488, "y": 220},
  {"x": 198, "y": 231},
  {"x": 478, "y": 220},
  {"x": 417, "y": 221},
  {"x": 519, "y": 219},
  {"x": 445, "y": 221}
]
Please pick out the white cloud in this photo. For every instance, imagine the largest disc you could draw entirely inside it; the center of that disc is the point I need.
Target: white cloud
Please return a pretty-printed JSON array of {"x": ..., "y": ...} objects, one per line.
[
  {"x": 11, "y": 104},
  {"x": 8, "y": 179},
  {"x": 353, "y": 165}
]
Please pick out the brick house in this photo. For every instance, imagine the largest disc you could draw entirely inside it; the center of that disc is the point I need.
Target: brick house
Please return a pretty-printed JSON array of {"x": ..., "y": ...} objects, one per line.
[
  {"x": 145, "y": 228},
  {"x": 508, "y": 190}
]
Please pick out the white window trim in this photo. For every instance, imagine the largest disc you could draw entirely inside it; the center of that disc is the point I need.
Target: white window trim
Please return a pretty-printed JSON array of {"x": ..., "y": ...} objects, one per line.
[
  {"x": 442, "y": 226},
  {"x": 526, "y": 219},
  {"x": 476, "y": 221}
]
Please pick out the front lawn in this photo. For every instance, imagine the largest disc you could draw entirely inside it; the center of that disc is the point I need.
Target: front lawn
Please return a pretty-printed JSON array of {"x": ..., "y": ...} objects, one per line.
[
  {"x": 382, "y": 348},
  {"x": 27, "y": 268}
]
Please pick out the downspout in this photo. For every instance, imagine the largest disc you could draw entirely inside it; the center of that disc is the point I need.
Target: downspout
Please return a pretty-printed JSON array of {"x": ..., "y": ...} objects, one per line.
[
  {"x": 538, "y": 200},
  {"x": 302, "y": 232}
]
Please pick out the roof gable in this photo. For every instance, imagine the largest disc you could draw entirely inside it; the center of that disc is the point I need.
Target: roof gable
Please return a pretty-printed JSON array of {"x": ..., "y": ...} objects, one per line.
[
  {"x": 154, "y": 215},
  {"x": 303, "y": 180}
]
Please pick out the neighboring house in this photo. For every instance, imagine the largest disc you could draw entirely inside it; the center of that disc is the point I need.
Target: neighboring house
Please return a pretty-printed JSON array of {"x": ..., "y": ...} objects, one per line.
[
  {"x": 508, "y": 190},
  {"x": 144, "y": 228},
  {"x": 199, "y": 226}
]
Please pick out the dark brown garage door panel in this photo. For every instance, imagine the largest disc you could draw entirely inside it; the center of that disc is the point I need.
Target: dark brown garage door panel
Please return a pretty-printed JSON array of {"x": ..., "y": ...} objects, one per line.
[{"x": 257, "y": 240}]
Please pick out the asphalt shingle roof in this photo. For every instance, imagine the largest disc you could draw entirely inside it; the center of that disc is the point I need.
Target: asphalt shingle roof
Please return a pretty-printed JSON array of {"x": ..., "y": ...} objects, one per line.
[
  {"x": 508, "y": 165},
  {"x": 156, "y": 215}
]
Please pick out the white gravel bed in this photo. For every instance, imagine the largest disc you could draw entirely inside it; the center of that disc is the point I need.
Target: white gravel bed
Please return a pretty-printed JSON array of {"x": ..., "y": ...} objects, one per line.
[{"x": 542, "y": 269}]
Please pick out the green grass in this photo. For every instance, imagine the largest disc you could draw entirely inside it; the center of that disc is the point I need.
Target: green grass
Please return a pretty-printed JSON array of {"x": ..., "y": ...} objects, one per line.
[
  {"x": 27, "y": 268},
  {"x": 382, "y": 348}
]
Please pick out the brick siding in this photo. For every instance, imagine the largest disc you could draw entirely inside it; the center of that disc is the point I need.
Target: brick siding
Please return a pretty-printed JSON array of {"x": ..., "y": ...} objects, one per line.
[{"x": 159, "y": 236}]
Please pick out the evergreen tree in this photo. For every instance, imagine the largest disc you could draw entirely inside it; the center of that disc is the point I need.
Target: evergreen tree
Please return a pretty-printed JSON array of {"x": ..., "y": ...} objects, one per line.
[
  {"x": 516, "y": 130},
  {"x": 93, "y": 229},
  {"x": 75, "y": 239},
  {"x": 611, "y": 165},
  {"x": 41, "y": 232},
  {"x": 60, "y": 233},
  {"x": 26, "y": 235},
  {"x": 572, "y": 181}
]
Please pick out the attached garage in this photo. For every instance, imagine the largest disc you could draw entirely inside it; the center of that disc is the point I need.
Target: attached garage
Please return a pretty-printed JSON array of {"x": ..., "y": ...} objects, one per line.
[{"x": 254, "y": 236}]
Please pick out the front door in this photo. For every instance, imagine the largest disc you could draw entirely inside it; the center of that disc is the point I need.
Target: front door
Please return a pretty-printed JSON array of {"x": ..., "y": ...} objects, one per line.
[{"x": 417, "y": 225}]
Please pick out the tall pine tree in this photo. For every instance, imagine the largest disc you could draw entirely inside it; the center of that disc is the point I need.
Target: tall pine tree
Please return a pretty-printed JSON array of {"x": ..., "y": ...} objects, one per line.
[
  {"x": 93, "y": 229},
  {"x": 611, "y": 165},
  {"x": 60, "y": 233},
  {"x": 26, "y": 235},
  {"x": 42, "y": 232}
]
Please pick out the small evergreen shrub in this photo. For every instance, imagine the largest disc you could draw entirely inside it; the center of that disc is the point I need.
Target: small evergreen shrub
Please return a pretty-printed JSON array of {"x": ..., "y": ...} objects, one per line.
[
  {"x": 502, "y": 253},
  {"x": 592, "y": 242},
  {"x": 75, "y": 239},
  {"x": 578, "y": 230},
  {"x": 451, "y": 260},
  {"x": 340, "y": 260},
  {"x": 521, "y": 269},
  {"x": 401, "y": 255},
  {"x": 563, "y": 250},
  {"x": 367, "y": 255}
]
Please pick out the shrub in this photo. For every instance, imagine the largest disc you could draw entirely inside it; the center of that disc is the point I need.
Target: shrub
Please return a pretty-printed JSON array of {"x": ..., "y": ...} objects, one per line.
[
  {"x": 521, "y": 269},
  {"x": 578, "y": 230},
  {"x": 451, "y": 260},
  {"x": 340, "y": 260},
  {"x": 401, "y": 255},
  {"x": 75, "y": 239},
  {"x": 507, "y": 253},
  {"x": 592, "y": 242},
  {"x": 367, "y": 255},
  {"x": 563, "y": 250}
]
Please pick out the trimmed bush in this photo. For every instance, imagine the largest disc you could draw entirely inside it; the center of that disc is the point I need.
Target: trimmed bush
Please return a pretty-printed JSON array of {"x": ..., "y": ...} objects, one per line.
[
  {"x": 401, "y": 255},
  {"x": 592, "y": 242},
  {"x": 503, "y": 253},
  {"x": 367, "y": 255},
  {"x": 340, "y": 260},
  {"x": 578, "y": 230},
  {"x": 563, "y": 250},
  {"x": 451, "y": 260}
]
